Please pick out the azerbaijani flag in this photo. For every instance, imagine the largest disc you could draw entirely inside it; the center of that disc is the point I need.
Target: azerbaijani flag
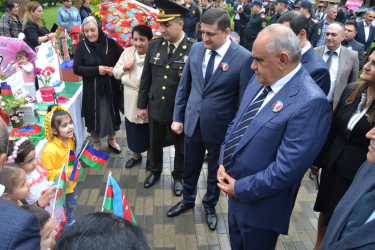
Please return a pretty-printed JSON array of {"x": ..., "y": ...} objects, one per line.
[
  {"x": 94, "y": 158},
  {"x": 77, "y": 171},
  {"x": 6, "y": 91},
  {"x": 115, "y": 200},
  {"x": 61, "y": 188}
]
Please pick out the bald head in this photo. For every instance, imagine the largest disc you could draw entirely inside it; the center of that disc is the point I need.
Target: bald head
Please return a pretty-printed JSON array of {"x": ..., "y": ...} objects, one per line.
[
  {"x": 279, "y": 57},
  {"x": 282, "y": 38},
  {"x": 4, "y": 139},
  {"x": 334, "y": 36}
]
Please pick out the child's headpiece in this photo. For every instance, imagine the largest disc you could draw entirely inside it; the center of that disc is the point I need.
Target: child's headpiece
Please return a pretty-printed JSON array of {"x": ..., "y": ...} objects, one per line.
[
  {"x": 48, "y": 121},
  {"x": 13, "y": 156}
]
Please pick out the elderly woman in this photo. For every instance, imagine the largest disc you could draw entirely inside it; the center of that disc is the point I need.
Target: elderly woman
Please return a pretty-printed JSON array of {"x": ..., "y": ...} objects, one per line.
[
  {"x": 346, "y": 146},
  {"x": 94, "y": 59},
  {"x": 68, "y": 16},
  {"x": 10, "y": 22},
  {"x": 35, "y": 32},
  {"x": 129, "y": 70}
]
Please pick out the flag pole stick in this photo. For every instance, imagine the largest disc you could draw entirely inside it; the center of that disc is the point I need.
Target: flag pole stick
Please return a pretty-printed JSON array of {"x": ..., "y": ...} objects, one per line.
[
  {"x": 57, "y": 190},
  {"x": 105, "y": 193},
  {"x": 83, "y": 150}
]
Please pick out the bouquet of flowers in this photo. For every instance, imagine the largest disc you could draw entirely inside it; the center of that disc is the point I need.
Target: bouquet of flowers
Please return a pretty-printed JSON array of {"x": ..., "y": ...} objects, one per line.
[
  {"x": 44, "y": 75},
  {"x": 98, "y": 16}
]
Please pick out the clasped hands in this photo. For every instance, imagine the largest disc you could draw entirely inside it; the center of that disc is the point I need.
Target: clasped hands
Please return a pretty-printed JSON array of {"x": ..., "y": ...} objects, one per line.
[
  {"x": 105, "y": 70},
  {"x": 225, "y": 182}
]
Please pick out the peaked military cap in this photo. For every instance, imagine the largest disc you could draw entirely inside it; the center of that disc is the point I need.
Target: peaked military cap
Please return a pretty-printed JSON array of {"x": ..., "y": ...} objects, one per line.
[{"x": 169, "y": 10}]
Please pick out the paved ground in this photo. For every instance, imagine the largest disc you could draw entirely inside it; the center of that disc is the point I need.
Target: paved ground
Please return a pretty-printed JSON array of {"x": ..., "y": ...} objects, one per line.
[{"x": 189, "y": 230}]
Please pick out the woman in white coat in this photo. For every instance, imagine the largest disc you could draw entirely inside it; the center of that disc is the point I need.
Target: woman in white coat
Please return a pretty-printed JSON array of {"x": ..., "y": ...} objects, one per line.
[{"x": 129, "y": 69}]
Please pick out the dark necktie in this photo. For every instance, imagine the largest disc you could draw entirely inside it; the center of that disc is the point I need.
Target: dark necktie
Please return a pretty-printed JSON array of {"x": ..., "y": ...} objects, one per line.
[
  {"x": 361, "y": 212},
  {"x": 329, "y": 60},
  {"x": 210, "y": 67},
  {"x": 171, "y": 48},
  {"x": 245, "y": 121}
]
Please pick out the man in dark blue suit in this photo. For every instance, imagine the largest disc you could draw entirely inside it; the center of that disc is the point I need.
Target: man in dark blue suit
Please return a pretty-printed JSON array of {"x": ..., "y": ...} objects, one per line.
[
  {"x": 340, "y": 235},
  {"x": 19, "y": 229},
  {"x": 310, "y": 60},
  {"x": 365, "y": 34},
  {"x": 210, "y": 89},
  {"x": 279, "y": 129}
]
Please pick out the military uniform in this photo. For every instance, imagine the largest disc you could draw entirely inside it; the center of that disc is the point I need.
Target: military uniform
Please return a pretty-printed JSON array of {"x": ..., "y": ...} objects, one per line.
[
  {"x": 312, "y": 22},
  {"x": 316, "y": 33},
  {"x": 256, "y": 23},
  {"x": 159, "y": 82},
  {"x": 191, "y": 19}
]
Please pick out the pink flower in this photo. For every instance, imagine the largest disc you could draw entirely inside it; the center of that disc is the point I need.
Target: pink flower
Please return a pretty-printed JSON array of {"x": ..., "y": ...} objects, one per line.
[{"x": 37, "y": 71}]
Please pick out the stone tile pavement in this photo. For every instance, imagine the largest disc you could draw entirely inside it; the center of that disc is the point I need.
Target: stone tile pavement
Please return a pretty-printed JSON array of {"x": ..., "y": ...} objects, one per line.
[{"x": 189, "y": 230}]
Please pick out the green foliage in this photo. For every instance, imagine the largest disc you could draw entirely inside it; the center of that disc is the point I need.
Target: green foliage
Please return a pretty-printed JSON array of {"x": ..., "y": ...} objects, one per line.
[{"x": 95, "y": 2}]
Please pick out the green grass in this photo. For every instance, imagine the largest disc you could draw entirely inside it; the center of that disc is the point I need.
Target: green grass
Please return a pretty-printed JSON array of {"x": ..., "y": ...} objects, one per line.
[{"x": 50, "y": 15}]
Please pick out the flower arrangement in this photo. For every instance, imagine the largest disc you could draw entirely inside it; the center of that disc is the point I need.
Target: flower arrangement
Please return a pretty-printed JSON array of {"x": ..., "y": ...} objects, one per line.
[
  {"x": 46, "y": 74},
  {"x": 12, "y": 104}
]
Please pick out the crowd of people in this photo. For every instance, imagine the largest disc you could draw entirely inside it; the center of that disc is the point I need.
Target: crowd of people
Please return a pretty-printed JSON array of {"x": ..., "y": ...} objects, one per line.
[{"x": 262, "y": 103}]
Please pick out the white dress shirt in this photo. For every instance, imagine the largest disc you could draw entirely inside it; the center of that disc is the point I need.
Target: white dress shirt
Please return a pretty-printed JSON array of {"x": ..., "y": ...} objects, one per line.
[
  {"x": 219, "y": 56},
  {"x": 277, "y": 86},
  {"x": 367, "y": 29},
  {"x": 333, "y": 70}
]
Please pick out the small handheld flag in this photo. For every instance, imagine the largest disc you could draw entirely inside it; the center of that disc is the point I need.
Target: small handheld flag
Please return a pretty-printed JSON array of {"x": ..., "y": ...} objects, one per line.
[
  {"x": 61, "y": 188},
  {"x": 77, "y": 171},
  {"x": 94, "y": 158},
  {"x": 115, "y": 200}
]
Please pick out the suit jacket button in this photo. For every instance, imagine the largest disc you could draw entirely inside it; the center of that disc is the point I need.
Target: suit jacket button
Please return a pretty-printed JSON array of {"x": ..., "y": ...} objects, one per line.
[
  {"x": 163, "y": 88},
  {"x": 163, "y": 97},
  {"x": 165, "y": 77},
  {"x": 167, "y": 67}
]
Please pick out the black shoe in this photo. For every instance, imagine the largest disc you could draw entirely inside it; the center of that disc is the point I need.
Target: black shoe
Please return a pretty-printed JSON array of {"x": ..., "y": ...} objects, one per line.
[
  {"x": 178, "y": 209},
  {"x": 132, "y": 162},
  {"x": 115, "y": 150},
  {"x": 151, "y": 179},
  {"x": 178, "y": 186},
  {"x": 211, "y": 220},
  {"x": 148, "y": 164}
]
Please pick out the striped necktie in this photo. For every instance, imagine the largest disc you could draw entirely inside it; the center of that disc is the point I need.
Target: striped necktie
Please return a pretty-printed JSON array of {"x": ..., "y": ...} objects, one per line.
[{"x": 245, "y": 121}]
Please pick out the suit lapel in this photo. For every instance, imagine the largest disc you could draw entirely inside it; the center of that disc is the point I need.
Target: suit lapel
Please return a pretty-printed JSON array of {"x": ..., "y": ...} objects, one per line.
[
  {"x": 342, "y": 63},
  {"x": 200, "y": 56},
  {"x": 228, "y": 57},
  {"x": 345, "y": 210},
  {"x": 266, "y": 114}
]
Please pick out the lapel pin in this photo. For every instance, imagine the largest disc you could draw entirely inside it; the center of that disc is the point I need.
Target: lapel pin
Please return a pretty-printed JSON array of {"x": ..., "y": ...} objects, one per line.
[
  {"x": 277, "y": 106},
  {"x": 224, "y": 66}
]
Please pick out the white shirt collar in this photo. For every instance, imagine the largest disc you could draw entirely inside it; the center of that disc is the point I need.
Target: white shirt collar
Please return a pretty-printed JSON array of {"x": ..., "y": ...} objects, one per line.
[
  {"x": 222, "y": 49},
  {"x": 280, "y": 83},
  {"x": 337, "y": 51},
  {"x": 306, "y": 48}
]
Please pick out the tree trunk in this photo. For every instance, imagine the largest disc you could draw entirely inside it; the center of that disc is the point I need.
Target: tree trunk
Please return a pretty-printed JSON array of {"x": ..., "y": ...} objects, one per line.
[{"x": 22, "y": 7}]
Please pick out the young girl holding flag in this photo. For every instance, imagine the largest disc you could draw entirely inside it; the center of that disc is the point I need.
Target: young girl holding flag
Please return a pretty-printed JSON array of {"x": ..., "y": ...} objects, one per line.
[
  {"x": 59, "y": 130},
  {"x": 22, "y": 153}
]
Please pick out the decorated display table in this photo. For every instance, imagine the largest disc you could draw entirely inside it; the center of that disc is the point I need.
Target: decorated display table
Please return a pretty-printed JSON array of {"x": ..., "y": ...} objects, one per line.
[{"x": 72, "y": 90}]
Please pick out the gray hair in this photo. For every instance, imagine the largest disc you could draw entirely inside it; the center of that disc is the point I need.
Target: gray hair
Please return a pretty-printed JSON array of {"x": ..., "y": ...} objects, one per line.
[
  {"x": 89, "y": 19},
  {"x": 368, "y": 12},
  {"x": 282, "y": 39},
  {"x": 342, "y": 26},
  {"x": 331, "y": 7},
  {"x": 235, "y": 36}
]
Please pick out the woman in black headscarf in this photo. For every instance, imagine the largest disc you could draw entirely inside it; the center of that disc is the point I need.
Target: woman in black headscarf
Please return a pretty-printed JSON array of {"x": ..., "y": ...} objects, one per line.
[{"x": 94, "y": 60}]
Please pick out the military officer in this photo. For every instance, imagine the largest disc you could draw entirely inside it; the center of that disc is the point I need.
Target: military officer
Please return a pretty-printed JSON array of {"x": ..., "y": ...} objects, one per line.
[
  {"x": 306, "y": 8},
  {"x": 161, "y": 74},
  {"x": 192, "y": 19},
  {"x": 256, "y": 22}
]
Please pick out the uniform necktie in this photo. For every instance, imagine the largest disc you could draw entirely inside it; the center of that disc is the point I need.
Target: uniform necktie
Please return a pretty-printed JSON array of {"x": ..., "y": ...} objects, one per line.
[
  {"x": 361, "y": 212},
  {"x": 171, "y": 48},
  {"x": 210, "y": 67},
  {"x": 245, "y": 121},
  {"x": 329, "y": 60}
]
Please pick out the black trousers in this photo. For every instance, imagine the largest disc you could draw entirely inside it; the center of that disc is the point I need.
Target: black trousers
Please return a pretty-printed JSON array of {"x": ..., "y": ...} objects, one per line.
[{"x": 158, "y": 132}]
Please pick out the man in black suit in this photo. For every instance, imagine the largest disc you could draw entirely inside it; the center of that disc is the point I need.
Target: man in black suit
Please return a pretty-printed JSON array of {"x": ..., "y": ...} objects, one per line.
[
  {"x": 311, "y": 60},
  {"x": 19, "y": 229},
  {"x": 319, "y": 30},
  {"x": 281, "y": 6},
  {"x": 349, "y": 41}
]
